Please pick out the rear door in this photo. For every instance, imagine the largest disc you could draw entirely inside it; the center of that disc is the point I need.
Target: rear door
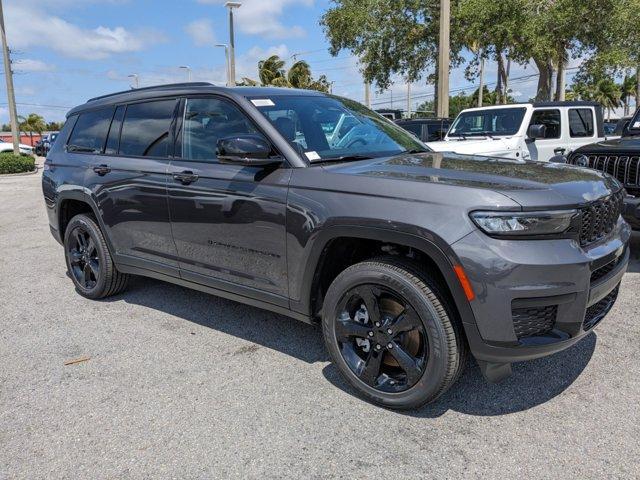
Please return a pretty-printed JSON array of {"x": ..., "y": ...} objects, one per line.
[
  {"x": 129, "y": 182},
  {"x": 582, "y": 128},
  {"x": 228, "y": 220}
]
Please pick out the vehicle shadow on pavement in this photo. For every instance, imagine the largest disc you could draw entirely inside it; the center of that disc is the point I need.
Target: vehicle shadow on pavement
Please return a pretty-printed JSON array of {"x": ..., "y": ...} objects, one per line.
[
  {"x": 278, "y": 332},
  {"x": 531, "y": 384}
]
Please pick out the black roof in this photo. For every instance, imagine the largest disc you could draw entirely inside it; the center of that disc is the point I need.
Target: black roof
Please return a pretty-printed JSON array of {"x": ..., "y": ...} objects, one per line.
[
  {"x": 571, "y": 103},
  {"x": 185, "y": 89},
  {"x": 423, "y": 120}
]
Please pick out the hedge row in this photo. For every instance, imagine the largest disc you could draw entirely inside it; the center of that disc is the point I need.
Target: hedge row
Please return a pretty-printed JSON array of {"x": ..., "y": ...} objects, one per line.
[{"x": 11, "y": 163}]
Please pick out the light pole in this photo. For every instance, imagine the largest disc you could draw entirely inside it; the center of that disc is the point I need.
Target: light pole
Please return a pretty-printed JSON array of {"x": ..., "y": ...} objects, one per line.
[
  {"x": 11, "y": 99},
  {"x": 226, "y": 57},
  {"x": 188, "y": 69},
  {"x": 442, "y": 89},
  {"x": 136, "y": 79},
  {"x": 232, "y": 53}
]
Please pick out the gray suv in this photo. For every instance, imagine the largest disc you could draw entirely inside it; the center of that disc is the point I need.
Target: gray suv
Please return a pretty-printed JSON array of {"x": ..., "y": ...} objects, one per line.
[{"x": 313, "y": 206}]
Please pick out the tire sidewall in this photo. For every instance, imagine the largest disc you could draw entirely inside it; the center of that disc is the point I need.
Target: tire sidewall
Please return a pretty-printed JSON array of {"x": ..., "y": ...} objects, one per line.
[
  {"x": 430, "y": 384},
  {"x": 89, "y": 225}
]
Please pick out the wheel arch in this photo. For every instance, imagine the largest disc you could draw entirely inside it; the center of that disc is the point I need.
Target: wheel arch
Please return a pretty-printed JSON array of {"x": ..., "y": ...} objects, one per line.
[{"x": 434, "y": 249}]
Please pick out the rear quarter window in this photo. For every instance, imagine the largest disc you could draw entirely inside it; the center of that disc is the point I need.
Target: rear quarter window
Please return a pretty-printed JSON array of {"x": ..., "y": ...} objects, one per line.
[{"x": 90, "y": 131}]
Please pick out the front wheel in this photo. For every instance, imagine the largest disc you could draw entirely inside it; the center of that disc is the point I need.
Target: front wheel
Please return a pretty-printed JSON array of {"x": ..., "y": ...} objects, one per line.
[{"x": 392, "y": 333}]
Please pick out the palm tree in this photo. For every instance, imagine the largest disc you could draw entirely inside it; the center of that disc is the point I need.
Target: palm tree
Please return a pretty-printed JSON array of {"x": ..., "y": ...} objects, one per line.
[
  {"x": 272, "y": 73},
  {"x": 628, "y": 90},
  {"x": 299, "y": 75},
  {"x": 33, "y": 123},
  {"x": 607, "y": 93},
  {"x": 270, "y": 69}
]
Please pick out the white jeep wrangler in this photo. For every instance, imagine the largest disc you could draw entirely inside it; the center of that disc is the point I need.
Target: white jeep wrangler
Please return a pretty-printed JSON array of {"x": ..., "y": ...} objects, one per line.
[{"x": 524, "y": 131}]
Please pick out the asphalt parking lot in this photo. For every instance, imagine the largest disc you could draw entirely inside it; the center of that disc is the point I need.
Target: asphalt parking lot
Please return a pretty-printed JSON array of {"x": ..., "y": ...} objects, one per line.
[{"x": 180, "y": 384}]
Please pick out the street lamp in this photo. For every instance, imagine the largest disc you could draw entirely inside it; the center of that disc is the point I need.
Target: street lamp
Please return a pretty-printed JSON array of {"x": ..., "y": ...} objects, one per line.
[
  {"x": 136, "y": 79},
  {"x": 232, "y": 54},
  {"x": 188, "y": 69},
  {"x": 226, "y": 57}
]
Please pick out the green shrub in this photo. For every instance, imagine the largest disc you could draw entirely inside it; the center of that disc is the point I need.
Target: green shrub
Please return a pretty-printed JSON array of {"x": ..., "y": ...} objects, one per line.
[{"x": 10, "y": 163}]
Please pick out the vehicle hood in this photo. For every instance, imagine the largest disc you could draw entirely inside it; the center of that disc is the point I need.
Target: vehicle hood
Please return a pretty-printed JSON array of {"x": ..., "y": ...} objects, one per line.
[
  {"x": 484, "y": 146},
  {"x": 531, "y": 184},
  {"x": 622, "y": 144},
  {"x": 9, "y": 146}
]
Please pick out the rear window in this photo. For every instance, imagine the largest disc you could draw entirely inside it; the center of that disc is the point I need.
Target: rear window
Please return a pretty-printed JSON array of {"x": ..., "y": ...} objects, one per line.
[
  {"x": 90, "y": 131},
  {"x": 581, "y": 122},
  {"x": 145, "y": 130}
]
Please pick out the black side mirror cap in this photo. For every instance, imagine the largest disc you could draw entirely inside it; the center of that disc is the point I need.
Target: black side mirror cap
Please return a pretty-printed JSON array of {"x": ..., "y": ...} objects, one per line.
[
  {"x": 536, "y": 131},
  {"x": 246, "y": 149}
]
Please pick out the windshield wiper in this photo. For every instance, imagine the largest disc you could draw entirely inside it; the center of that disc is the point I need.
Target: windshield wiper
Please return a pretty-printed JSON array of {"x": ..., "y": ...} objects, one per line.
[
  {"x": 415, "y": 150},
  {"x": 343, "y": 158}
]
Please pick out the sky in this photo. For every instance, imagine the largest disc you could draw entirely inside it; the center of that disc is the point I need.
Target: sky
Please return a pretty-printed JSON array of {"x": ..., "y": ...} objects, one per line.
[{"x": 67, "y": 51}]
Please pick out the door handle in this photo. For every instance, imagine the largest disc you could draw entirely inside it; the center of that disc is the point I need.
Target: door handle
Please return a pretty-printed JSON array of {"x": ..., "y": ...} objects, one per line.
[
  {"x": 185, "y": 177},
  {"x": 102, "y": 169},
  {"x": 559, "y": 150}
]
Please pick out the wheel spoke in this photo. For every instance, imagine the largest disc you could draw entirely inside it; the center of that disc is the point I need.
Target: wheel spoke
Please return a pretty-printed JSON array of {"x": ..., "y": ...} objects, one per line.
[
  {"x": 371, "y": 368},
  {"x": 75, "y": 256},
  {"x": 80, "y": 239},
  {"x": 371, "y": 301},
  {"x": 95, "y": 268},
  {"x": 91, "y": 246},
  {"x": 405, "y": 322},
  {"x": 350, "y": 328},
  {"x": 86, "y": 274},
  {"x": 406, "y": 362}
]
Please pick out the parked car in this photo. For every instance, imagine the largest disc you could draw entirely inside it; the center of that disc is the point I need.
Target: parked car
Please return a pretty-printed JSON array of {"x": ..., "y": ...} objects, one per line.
[
  {"x": 526, "y": 131},
  {"x": 426, "y": 129},
  {"x": 8, "y": 147},
  {"x": 44, "y": 144},
  {"x": 409, "y": 259},
  {"x": 621, "y": 159},
  {"x": 390, "y": 113},
  {"x": 621, "y": 127},
  {"x": 609, "y": 127}
]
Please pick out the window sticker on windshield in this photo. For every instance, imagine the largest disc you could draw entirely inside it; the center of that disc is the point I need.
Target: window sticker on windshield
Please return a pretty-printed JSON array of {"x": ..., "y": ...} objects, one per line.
[
  {"x": 636, "y": 125},
  {"x": 312, "y": 155},
  {"x": 262, "y": 102}
]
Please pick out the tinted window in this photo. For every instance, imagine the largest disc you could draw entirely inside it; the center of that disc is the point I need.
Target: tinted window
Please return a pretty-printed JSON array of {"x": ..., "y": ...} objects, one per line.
[
  {"x": 90, "y": 131},
  {"x": 323, "y": 128},
  {"x": 415, "y": 128},
  {"x": 114, "y": 131},
  {"x": 145, "y": 130},
  {"x": 581, "y": 122},
  {"x": 491, "y": 121},
  {"x": 550, "y": 119},
  {"x": 437, "y": 132},
  {"x": 206, "y": 120}
]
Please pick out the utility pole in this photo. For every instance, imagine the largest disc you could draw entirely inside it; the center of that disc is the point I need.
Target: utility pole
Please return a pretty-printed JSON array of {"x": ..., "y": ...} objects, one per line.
[
  {"x": 408, "y": 99},
  {"x": 136, "y": 79},
  {"x": 226, "y": 56},
  {"x": 367, "y": 94},
  {"x": 8, "y": 75},
  {"x": 444, "y": 59},
  {"x": 232, "y": 44},
  {"x": 481, "y": 89}
]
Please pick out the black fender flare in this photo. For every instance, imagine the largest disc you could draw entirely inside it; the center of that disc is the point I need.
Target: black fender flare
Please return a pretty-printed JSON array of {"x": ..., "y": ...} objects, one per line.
[{"x": 431, "y": 245}]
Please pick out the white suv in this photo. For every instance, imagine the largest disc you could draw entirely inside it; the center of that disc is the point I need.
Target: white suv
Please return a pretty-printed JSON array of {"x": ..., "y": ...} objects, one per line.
[{"x": 525, "y": 131}]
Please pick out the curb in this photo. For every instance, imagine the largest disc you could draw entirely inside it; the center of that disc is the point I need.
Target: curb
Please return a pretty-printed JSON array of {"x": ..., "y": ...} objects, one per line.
[{"x": 21, "y": 174}]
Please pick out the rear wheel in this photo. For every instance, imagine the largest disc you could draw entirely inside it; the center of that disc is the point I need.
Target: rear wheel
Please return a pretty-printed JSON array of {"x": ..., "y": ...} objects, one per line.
[
  {"x": 392, "y": 334},
  {"x": 88, "y": 260}
]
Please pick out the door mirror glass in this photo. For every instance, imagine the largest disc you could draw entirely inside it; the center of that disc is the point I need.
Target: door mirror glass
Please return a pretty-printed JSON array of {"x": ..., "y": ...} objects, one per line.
[
  {"x": 246, "y": 149},
  {"x": 536, "y": 131}
]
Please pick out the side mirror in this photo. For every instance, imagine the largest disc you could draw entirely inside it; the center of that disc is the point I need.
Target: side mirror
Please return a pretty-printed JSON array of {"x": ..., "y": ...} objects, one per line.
[
  {"x": 246, "y": 149},
  {"x": 536, "y": 131},
  {"x": 558, "y": 159}
]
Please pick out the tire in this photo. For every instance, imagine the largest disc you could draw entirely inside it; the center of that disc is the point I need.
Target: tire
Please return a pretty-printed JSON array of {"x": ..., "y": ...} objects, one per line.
[
  {"x": 396, "y": 285},
  {"x": 89, "y": 262}
]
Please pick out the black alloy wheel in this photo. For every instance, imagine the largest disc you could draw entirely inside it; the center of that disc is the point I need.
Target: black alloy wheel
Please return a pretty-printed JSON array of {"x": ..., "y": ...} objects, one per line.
[
  {"x": 83, "y": 257},
  {"x": 381, "y": 338}
]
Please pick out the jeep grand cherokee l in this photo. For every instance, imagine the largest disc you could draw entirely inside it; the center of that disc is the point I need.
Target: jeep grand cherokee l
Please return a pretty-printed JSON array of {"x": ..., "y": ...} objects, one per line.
[{"x": 408, "y": 258}]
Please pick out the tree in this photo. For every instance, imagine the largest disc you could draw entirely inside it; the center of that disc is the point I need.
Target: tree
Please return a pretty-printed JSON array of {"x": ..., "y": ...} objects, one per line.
[
  {"x": 628, "y": 90},
  {"x": 271, "y": 72},
  {"x": 607, "y": 93},
  {"x": 32, "y": 123}
]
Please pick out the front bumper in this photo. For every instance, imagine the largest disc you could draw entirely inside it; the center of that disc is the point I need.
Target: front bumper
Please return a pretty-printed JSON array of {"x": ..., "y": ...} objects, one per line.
[
  {"x": 631, "y": 212},
  {"x": 565, "y": 291}
]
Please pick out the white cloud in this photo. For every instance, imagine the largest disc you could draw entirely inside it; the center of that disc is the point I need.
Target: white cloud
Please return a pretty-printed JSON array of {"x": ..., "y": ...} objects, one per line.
[
  {"x": 201, "y": 32},
  {"x": 27, "y": 28},
  {"x": 247, "y": 63},
  {"x": 262, "y": 17},
  {"x": 28, "y": 65}
]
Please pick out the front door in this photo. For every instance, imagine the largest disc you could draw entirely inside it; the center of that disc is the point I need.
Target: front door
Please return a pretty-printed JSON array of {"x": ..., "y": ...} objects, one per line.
[
  {"x": 228, "y": 221},
  {"x": 542, "y": 149},
  {"x": 129, "y": 183}
]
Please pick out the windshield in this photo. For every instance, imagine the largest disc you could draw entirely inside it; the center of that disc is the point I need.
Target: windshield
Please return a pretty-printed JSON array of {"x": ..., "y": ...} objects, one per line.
[
  {"x": 494, "y": 121},
  {"x": 634, "y": 125},
  {"x": 330, "y": 128}
]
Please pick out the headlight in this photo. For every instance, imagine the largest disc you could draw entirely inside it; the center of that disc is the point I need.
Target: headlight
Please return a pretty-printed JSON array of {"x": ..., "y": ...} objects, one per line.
[{"x": 523, "y": 223}]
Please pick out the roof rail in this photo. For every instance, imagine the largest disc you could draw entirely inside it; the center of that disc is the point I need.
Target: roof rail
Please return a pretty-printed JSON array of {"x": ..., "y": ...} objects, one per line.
[{"x": 154, "y": 87}]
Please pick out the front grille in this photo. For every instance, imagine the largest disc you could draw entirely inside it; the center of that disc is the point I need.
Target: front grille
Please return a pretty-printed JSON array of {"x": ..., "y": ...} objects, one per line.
[
  {"x": 599, "y": 218},
  {"x": 598, "y": 310},
  {"x": 625, "y": 168},
  {"x": 532, "y": 321}
]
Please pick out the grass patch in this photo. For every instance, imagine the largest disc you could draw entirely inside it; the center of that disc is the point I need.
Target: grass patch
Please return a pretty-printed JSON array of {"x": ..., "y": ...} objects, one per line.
[{"x": 10, "y": 163}]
